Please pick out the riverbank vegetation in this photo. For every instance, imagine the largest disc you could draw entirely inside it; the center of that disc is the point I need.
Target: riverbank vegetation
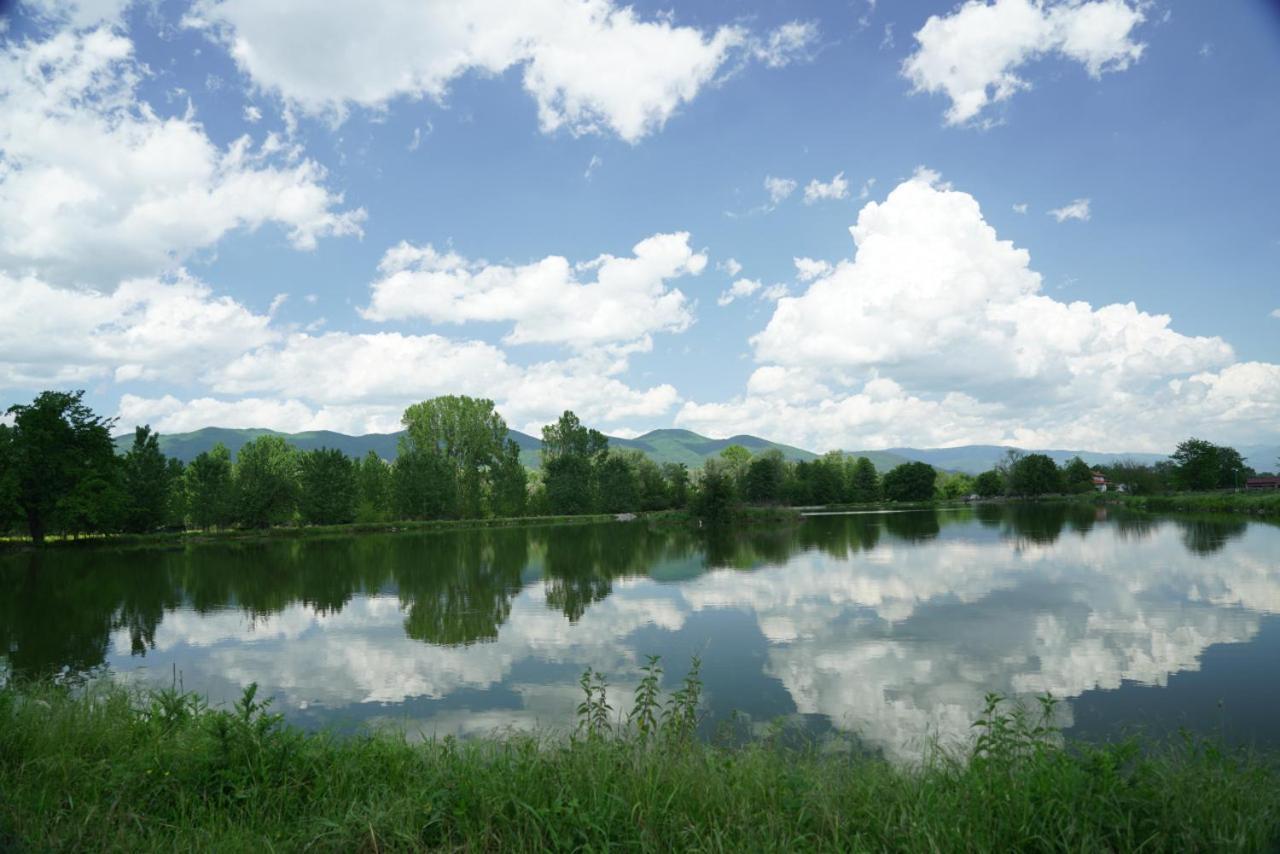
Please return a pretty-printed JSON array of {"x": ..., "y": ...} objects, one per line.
[
  {"x": 1255, "y": 503},
  {"x": 60, "y": 476},
  {"x": 106, "y": 769}
]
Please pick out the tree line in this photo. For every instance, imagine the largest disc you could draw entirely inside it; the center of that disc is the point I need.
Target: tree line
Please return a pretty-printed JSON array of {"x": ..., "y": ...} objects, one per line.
[
  {"x": 1196, "y": 465},
  {"x": 60, "y": 474}
]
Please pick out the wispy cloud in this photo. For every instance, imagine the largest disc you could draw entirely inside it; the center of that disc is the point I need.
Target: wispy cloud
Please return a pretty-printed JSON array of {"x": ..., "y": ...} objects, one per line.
[
  {"x": 779, "y": 188},
  {"x": 835, "y": 189},
  {"x": 1079, "y": 209}
]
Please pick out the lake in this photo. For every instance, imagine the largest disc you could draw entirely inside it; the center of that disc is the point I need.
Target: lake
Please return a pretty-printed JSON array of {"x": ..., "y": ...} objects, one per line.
[{"x": 888, "y": 627}]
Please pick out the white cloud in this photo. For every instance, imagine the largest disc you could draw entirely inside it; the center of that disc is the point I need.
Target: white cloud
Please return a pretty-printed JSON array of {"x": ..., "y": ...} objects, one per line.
[
  {"x": 789, "y": 43},
  {"x": 80, "y": 14},
  {"x": 547, "y": 301},
  {"x": 739, "y": 289},
  {"x": 1276, "y": 314},
  {"x": 974, "y": 53},
  {"x": 336, "y": 380},
  {"x": 808, "y": 269},
  {"x": 594, "y": 164},
  {"x": 362, "y": 383},
  {"x": 865, "y": 192},
  {"x": 590, "y": 65},
  {"x": 775, "y": 292},
  {"x": 96, "y": 187},
  {"x": 833, "y": 190},
  {"x": 252, "y": 114},
  {"x": 1079, "y": 209},
  {"x": 778, "y": 188},
  {"x": 345, "y": 368},
  {"x": 730, "y": 266},
  {"x": 937, "y": 332},
  {"x": 145, "y": 329},
  {"x": 168, "y": 414},
  {"x": 1020, "y": 208}
]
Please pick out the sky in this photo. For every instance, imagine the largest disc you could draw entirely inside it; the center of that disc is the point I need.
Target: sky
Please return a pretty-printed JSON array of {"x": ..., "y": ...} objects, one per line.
[{"x": 840, "y": 225}]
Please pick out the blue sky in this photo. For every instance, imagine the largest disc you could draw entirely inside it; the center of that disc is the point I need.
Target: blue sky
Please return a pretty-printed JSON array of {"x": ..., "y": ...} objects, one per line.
[{"x": 303, "y": 215}]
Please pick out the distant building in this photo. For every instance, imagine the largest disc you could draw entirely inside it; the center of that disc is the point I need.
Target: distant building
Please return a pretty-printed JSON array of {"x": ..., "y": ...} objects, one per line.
[
  {"x": 1100, "y": 482},
  {"x": 1262, "y": 483}
]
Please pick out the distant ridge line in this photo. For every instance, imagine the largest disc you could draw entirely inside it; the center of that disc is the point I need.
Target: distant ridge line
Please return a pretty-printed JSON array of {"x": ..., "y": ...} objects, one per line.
[{"x": 667, "y": 445}]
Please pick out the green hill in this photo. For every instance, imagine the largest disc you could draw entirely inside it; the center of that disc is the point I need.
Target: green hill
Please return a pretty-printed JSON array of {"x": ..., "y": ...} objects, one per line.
[
  {"x": 186, "y": 446},
  {"x": 663, "y": 446}
]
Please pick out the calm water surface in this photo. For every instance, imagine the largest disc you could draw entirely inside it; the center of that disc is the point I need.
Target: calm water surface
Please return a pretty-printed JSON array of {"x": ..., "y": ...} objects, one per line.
[{"x": 887, "y": 627}]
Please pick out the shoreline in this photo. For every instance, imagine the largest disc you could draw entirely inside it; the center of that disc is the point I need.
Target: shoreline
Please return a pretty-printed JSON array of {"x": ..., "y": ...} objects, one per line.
[{"x": 1261, "y": 506}]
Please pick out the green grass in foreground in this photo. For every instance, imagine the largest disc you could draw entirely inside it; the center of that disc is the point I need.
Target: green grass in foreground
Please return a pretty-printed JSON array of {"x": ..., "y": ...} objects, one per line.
[{"x": 106, "y": 769}]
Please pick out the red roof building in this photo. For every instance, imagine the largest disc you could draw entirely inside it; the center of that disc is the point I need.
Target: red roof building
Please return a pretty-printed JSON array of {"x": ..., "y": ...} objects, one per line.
[{"x": 1262, "y": 483}]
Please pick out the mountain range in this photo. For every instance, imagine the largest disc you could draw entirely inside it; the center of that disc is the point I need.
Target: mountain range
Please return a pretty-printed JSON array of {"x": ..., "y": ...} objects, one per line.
[{"x": 665, "y": 446}]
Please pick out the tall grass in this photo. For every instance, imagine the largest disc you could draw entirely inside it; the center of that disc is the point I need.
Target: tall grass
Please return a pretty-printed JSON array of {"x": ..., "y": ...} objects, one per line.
[
  {"x": 104, "y": 768},
  {"x": 1264, "y": 503}
]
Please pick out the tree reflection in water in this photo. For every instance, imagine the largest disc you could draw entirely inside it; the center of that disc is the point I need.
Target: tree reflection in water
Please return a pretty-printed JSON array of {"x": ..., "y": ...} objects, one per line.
[{"x": 59, "y": 608}]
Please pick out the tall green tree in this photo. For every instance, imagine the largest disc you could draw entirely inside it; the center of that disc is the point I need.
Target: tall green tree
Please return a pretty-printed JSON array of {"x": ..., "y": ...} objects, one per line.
[
  {"x": 1232, "y": 469},
  {"x": 373, "y": 488},
  {"x": 63, "y": 462},
  {"x": 766, "y": 476},
  {"x": 8, "y": 479},
  {"x": 266, "y": 478},
  {"x": 570, "y": 453},
  {"x": 988, "y": 484},
  {"x": 716, "y": 494},
  {"x": 1077, "y": 476},
  {"x": 910, "y": 482},
  {"x": 677, "y": 477},
  {"x": 326, "y": 487},
  {"x": 864, "y": 482},
  {"x": 422, "y": 485},
  {"x": 175, "y": 494},
  {"x": 617, "y": 486},
  {"x": 651, "y": 483},
  {"x": 1197, "y": 465},
  {"x": 1035, "y": 474},
  {"x": 211, "y": 489},
  {"x": 146, "y": 483},
  {"x": 827, "y": 474},
  {"x": 510, "y": 490},
  {"x": 954, "y": 484},
  {"x": 736, "y": 459},
  {"x": 469, "y": 433},
  {"x": 1005, "y": 466}
]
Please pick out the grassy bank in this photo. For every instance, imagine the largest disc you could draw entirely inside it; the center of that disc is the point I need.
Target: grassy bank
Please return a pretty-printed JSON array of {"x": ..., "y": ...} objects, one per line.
[
  {"x": 746, "y": 516},
  {"x": 110, "y": 770},
  {"x": 1257, "y": 503}
]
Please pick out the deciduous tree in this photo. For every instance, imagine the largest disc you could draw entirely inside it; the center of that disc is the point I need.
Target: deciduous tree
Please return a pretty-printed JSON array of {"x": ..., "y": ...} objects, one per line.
[
  {"x": 63, "y": 463},
  {"x": 864, "y": 482},
  {"x": 210, "y": 488},
  {"x": 327, "y": 487},
  {"x": 146, "y": 483},
  {"x": 910, "y": 482},
  {"x": 266, "y": 482}
]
